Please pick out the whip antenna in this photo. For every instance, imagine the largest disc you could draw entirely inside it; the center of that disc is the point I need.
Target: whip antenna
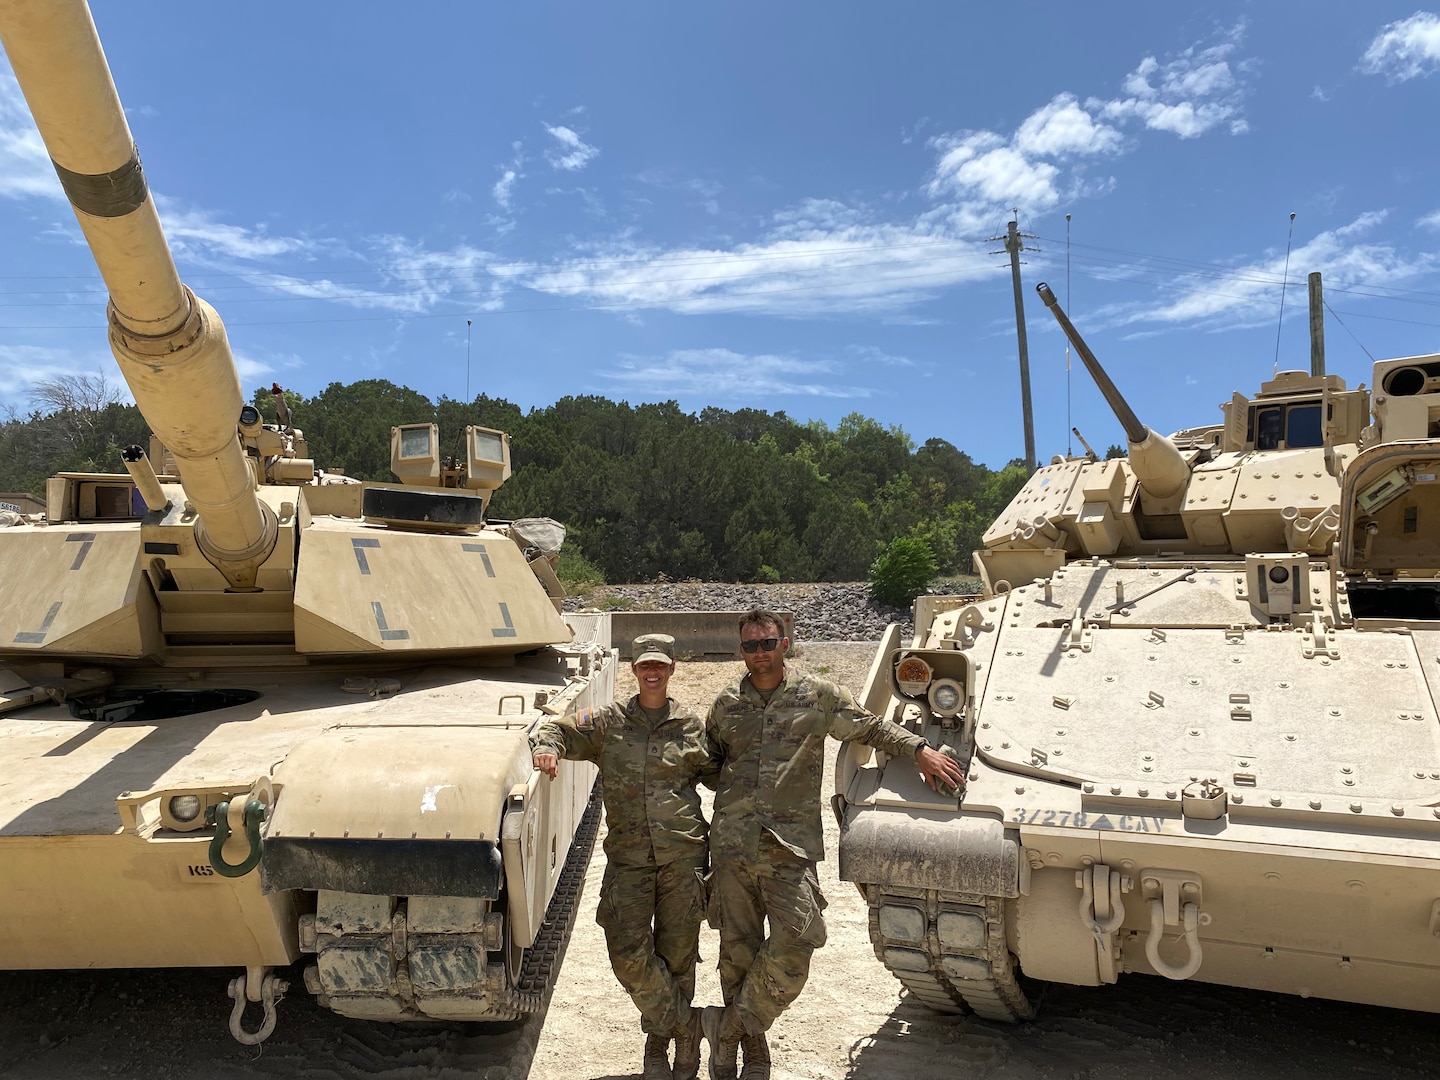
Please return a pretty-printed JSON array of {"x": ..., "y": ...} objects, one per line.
[
  {"x": 1283, "y": 279},
  {"x": 1069, "y": 446}
]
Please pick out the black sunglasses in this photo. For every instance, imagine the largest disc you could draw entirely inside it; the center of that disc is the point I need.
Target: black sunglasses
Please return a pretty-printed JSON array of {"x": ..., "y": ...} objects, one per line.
[{"x": 760, "y": 645}]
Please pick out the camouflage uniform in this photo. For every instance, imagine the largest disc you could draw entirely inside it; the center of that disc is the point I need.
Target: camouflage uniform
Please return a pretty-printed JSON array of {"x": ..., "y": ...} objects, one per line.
[
  {"x": 766, "y": 836},
  {"x": 653, "y": 895}
]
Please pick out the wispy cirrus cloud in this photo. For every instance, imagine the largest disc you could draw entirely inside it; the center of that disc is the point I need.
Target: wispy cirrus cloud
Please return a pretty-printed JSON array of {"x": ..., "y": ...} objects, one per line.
[
  {"x": 25, "y": 169},
  {"x": 22, "y": 367},
  {"x": 826, "y": 256},
  {"x": 1249, "y": 294},
  {"x": 1405, "y": 49},
  {"x": 197, "y": 232},
  {"x": 719, "y": 375},
  {"x": 503, "y": 188},
  {"x": 571, "y": 152}
]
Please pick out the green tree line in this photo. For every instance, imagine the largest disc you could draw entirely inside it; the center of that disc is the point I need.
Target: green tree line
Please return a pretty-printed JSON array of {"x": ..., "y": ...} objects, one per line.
[{"x": 743, "y": 495}]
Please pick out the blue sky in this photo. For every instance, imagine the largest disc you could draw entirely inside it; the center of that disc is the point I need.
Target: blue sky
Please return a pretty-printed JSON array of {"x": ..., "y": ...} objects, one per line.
[{"x": 778, "y": 206}]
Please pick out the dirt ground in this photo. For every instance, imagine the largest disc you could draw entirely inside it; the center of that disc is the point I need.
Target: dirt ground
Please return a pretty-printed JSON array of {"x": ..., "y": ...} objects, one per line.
[{"x": 851, "y": 1022}]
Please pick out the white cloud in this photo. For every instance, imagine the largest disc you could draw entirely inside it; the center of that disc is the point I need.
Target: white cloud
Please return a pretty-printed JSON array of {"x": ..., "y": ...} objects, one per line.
[
  {"x": 251, "y": 369},
  {"x": 503, "y": 187},
  {"x": 197, "y": 233},
  {"x": 573, "y": 152},
  {"x": 1430, "y": 220},
  {"x": 1249, "y": 294},
  {"x": 1188, "y": 96},
  {"x": 22, "y": 366},
  {"x": 1405, "y": 49},
  {"x": 872, "y": 354},
  {"x": 723, "y": 375},
  {"x": 908, "y": 135},
  {"x": 25, "y": 169},
  {"x": 824, "y": 255},
  {"x": 1063, "y": 127}
]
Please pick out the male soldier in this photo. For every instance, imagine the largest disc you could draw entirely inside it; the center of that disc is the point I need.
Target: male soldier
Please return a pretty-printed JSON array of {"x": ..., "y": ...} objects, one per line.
[
  {"x": 769, "y": 727},
  {"x": 650, "y": 752}
]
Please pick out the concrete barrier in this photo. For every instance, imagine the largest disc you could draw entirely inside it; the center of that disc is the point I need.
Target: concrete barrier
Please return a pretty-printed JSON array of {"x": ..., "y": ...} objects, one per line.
[{"x": 711, "y": 634}]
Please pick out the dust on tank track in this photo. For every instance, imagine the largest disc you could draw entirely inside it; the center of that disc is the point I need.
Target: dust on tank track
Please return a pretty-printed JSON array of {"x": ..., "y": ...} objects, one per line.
[{"x": 948, "y": 950}]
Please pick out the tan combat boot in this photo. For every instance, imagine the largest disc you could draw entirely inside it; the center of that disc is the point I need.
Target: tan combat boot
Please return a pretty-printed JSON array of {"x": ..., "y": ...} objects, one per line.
[
  {"x": 687, "y": 1048},
  {"x": 657, "y": 1058},
  {"x": 723, "y": 1031},
  {"x": 757, "y": 1057}
]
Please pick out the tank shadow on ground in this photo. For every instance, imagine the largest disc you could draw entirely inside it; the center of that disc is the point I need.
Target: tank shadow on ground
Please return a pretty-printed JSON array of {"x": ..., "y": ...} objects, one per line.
[
  {"x": 1147, "y": 1027},
  {"x": 173, "y": 1023}
]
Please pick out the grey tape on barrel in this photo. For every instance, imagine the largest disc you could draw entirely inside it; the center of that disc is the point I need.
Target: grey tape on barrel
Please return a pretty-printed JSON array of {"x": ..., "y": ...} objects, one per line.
[{"x": 110, "y": 195}]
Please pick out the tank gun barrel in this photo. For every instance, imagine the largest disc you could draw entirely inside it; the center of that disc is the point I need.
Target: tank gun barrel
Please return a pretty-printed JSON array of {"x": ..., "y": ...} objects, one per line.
[
  {"x": 1134, "y": 429},
  {"x": 1158, "y": 464},
  {"x": 170, "y": 345}
]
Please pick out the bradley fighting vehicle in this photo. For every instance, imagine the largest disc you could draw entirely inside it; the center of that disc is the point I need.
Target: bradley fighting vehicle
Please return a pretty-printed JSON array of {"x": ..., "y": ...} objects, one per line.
[
  {"x": 247, "y": 717},
  {"x": 1196, "y": 699}
]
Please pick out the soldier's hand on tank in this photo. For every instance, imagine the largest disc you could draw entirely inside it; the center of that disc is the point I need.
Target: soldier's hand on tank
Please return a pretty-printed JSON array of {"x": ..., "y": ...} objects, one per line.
[
  {"x": 549, "y": 764},
  {"x": 937, "y": 768}
]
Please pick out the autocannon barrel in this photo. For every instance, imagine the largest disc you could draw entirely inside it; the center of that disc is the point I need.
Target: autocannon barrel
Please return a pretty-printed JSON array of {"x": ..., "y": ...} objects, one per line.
[
  {"x": 1158, "y": 464},
  {"x": 1134, "y": 429},
  {"x": 171, "y": 346}
]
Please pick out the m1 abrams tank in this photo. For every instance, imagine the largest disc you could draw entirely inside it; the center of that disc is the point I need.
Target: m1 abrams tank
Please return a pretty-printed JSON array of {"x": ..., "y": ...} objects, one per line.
[
  {"x": 1196, "y": 699},
  {"x": 249, "y": 717}
]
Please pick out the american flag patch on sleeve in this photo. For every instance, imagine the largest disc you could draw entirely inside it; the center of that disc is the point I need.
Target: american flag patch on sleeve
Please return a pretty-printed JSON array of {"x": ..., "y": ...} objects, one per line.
[{"x": 584, "y": 719}]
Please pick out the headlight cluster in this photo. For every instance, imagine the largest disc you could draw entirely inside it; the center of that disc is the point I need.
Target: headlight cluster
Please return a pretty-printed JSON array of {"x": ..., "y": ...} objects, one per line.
[{"x": 915, "y": 678}]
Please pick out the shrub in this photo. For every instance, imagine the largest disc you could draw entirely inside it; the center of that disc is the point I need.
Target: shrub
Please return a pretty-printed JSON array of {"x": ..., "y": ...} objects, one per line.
[
  {"x": 577, "y": 572},
  {"x": 902, "y": 571}
]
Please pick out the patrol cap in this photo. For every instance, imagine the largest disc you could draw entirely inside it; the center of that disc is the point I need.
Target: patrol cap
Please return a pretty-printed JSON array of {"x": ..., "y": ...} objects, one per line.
[{"x": 653, "y": 647}]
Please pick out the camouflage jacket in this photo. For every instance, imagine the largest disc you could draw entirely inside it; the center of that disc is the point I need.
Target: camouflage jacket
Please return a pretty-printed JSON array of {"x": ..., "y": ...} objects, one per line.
[
  {"x": 773, "y": 759},
  {"x": 652, "y": 810}
]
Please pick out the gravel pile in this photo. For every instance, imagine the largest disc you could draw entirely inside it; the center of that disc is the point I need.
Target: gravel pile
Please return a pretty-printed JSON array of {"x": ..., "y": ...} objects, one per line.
[{"x": 823, "y": 611}]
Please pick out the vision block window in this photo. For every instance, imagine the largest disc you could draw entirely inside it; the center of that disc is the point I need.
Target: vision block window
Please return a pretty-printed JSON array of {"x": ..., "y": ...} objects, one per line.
[
  {"x": 1291, "y": 427},
  {"x": 415, "y": 442},
  {"x": 1269, "y": 426},
  {"x": 488, "y": 446},
  {"x": 1303, "y": 427}
]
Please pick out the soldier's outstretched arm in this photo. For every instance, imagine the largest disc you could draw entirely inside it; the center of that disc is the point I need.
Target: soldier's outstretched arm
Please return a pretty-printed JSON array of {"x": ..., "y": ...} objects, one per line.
[{"x": 574, "y": 737}]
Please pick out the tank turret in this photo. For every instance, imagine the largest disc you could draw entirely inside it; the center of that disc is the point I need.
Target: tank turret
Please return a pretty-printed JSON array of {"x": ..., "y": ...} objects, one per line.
[
  {"x": 1200, "y": 491},
  {"x": 222, "y": 753}
]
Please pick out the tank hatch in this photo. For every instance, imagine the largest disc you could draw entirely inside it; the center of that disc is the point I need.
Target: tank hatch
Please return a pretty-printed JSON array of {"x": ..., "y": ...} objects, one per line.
[
  {"x": 146, "y": 704},
  {"x": 1140, "y": 714}
]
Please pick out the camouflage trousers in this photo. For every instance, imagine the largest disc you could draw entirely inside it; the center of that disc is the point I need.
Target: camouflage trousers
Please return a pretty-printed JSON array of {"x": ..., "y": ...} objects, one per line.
[
  {"x": 651, "y": 917},
  {"x": 762, "y": 975}
]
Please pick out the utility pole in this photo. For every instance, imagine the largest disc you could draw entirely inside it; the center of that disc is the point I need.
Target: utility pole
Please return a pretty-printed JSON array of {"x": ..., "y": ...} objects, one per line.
[
  {"x": 1317, "y": 326},
  {"x": 1014, "y": 244}
]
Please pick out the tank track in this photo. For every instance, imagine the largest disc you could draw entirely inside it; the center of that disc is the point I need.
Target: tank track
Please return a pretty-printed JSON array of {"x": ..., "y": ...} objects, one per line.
[
  {"x": 991, "y": 988},
  {"x": 537, "y": 971}
]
